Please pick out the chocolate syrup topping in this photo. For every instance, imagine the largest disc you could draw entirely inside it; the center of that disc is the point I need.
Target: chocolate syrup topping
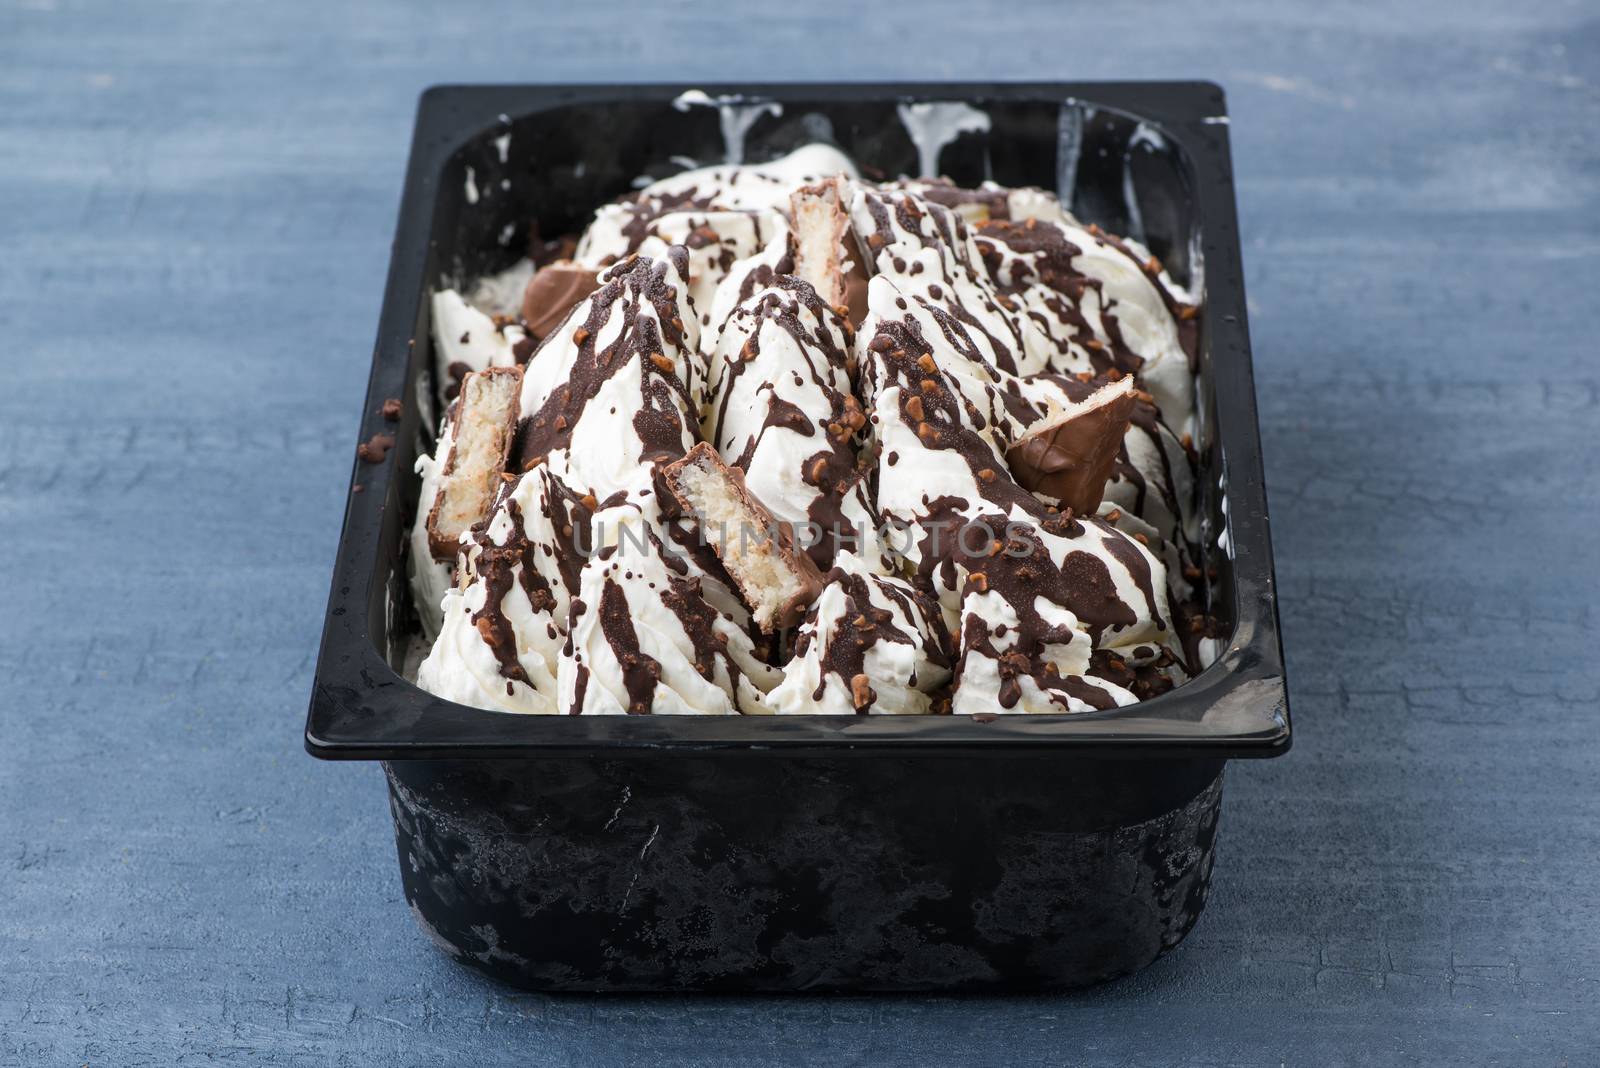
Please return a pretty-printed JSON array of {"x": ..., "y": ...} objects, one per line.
[
  {"x": 819, "y": 341},
  {"x": 640, "y": 672},
  {"x": 864, "y": 625},
  {"x": 658, "y": 421},
  {"x": 1051, "y": 257}
]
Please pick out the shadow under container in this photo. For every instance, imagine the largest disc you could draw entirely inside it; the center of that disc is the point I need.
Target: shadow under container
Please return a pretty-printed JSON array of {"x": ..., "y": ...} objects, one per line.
[{"x": 804, "y": 852}]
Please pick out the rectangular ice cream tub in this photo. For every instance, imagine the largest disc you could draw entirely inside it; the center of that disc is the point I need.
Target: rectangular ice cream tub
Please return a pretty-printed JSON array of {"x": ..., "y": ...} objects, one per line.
[{"x": 805, "y": 852}]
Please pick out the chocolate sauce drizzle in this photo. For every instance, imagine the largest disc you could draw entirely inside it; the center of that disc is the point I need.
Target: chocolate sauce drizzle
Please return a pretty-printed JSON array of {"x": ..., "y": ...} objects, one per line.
[
  {"x": 941, "y": 229},
  {"x": 1045, "y": 257},
  {"x": 997, "y": 554},
  {"x": 644, "y": 339},
  {"x": 499, "y": 565},
  {"x": 995, "y": 202},
  {"x": 823, "y": 346},
  {"x": 864, "y": 624},
  {"x": 684, "y": 595},
  {"x": 640, "y": 671}
]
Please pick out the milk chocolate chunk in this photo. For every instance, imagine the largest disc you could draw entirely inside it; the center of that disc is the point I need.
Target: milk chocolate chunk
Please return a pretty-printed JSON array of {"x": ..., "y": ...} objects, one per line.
[
  {"x": 374, "y": 449},
  {"x": 776, "y": 579},
  {"x": 1070, "y": 455},
  {"x": 553, "y": 292},
  {"x": 484, "y": 421}
]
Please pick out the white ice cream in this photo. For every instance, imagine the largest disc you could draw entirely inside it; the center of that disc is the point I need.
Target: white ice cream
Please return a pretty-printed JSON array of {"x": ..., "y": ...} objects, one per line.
[
  {"x": 587, "y": 592},
  {"x": 869, "y": 627}
]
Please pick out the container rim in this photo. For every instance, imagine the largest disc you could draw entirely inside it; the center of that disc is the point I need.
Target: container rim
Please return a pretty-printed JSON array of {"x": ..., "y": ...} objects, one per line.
[{"x": 361, "y": 709}]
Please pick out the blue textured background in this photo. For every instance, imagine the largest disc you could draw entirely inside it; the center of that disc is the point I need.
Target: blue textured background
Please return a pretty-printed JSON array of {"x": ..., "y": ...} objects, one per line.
[{"x": 196, "y": 202}]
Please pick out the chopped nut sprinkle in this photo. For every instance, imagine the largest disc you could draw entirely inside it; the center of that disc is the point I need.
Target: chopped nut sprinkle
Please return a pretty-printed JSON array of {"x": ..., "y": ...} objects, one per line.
[{"x": 861, "y": 694}]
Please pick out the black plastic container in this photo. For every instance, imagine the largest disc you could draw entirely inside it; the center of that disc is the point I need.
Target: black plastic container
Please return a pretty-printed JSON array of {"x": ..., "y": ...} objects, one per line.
[{"x": 805, "y": 852}]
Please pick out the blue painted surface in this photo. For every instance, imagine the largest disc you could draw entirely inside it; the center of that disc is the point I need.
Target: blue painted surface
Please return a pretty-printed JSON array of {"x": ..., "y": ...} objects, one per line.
[{"x": 196, "y": 203}]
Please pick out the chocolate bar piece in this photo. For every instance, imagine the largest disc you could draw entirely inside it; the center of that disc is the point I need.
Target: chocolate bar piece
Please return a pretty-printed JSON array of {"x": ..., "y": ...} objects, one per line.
[
  {"x": 824, "y": 247},
  {"x": 777, "y": 581},
  {"x": 1069, "y": 455},
  {"x": 484, "y": 422}
]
